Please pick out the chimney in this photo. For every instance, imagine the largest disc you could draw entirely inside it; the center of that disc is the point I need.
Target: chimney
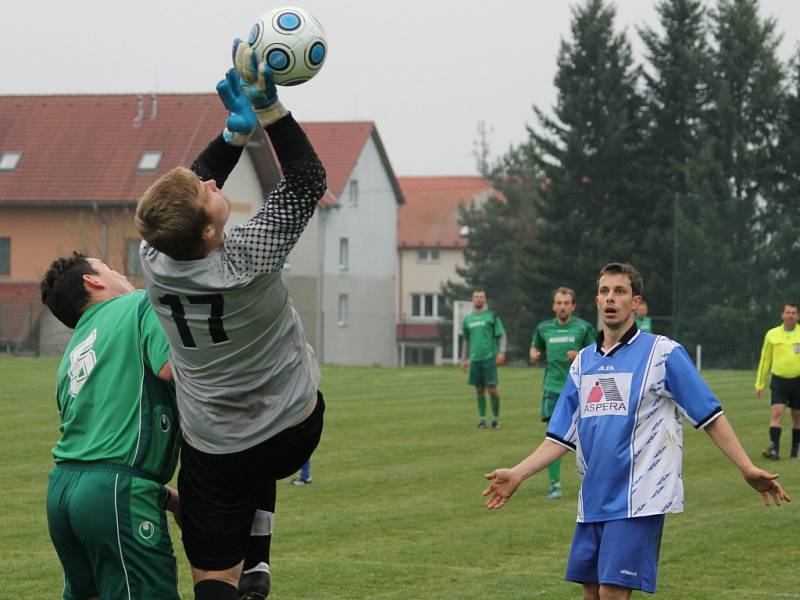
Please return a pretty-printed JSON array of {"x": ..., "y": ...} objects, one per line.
[
  {"x": 153, "y": 107},
  {"x": 137, "y": 120}
]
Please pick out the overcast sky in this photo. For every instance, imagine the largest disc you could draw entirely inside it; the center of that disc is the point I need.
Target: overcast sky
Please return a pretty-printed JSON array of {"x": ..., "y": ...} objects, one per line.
[{"x": 426, "y": 72}]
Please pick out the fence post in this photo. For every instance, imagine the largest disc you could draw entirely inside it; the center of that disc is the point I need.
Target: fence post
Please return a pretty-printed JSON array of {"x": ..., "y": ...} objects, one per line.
[{"x": 698, "y": 361}]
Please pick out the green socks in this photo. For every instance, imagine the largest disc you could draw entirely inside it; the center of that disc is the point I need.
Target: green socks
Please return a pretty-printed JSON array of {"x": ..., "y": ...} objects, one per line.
[
  {"x": 482, "y": 407},
  {"x": 554, "y": 471},
  {"x": 495, "y": 407}
]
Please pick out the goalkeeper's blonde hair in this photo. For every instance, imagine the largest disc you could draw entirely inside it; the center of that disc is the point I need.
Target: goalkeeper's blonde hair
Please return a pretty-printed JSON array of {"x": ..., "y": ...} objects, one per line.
[{"x": 171, "y": 215}]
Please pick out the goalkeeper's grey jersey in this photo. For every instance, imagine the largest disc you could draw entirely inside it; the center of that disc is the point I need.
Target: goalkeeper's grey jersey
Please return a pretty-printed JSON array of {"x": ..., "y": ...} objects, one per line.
[{"x": 243, "y": 370}]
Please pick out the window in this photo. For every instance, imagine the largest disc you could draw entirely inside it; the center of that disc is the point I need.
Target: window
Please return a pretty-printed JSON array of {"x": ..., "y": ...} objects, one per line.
[
  {"x": 342, "y": 310},
  {"x": 5, "y": 256},
  {"x": 133, "y": 266},
  {"x": 426, "y": 255},
  {"x": 427, "y": 305},
  {"x": 420, "y": 355},
  {"x": 344, "y": 254},
  {"x": 150, "y": 160},
  {"x": 353, "y": 192},
  {"x": 10, "y": 160}
]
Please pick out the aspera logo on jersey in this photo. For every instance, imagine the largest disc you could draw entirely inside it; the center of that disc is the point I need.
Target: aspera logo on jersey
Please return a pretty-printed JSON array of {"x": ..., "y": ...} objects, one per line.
[{"x": 606, "y": 394}]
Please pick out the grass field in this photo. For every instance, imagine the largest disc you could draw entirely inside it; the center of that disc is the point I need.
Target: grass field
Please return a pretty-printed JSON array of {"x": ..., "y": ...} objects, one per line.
[{"x": 395, "y": 509}]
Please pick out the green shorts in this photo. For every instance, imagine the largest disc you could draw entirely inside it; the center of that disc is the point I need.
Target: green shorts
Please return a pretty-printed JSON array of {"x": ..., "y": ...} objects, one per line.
[
  {"x": 483, "y": 373},
  {"x": 110, "y": 532},
  {"x": 549, "y": 400}
]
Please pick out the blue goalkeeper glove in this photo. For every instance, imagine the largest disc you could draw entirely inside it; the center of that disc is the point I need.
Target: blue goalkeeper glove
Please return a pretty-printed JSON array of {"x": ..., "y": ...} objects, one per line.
[
  {"x": 257, "y": 83},
  {"x": 242, "y": 119}
]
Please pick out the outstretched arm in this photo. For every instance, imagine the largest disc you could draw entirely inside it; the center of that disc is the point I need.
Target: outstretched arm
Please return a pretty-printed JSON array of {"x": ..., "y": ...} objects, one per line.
[
  {"x": 262, "y": 244},
  {"x": 219, "y": 158},
  {"x": 722, "y": 434},
  {"x": 504, "y": 482}
]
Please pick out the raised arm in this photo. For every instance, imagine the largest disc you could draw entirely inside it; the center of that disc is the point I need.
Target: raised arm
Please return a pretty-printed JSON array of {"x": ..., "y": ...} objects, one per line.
[
  {"x": 219, "y": 158},
  {"x": 262, "y": 244}
]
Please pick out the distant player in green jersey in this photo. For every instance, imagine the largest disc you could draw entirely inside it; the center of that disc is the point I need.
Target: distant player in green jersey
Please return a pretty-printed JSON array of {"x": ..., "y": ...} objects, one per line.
[
  {"x": 119, "y": 438},
  {"x": 559, "y": 341},
  {"x": 484, "y": 349},
  {"x": 643, "y": 322}
]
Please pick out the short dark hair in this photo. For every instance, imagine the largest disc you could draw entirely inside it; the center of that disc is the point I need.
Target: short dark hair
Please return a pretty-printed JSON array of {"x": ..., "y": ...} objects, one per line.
[
  {"x": 637, "y": 284},
  {"x": 565, "y": 290},
  {"x": 792, "y": 304},
  {"x": 62, "y": 288}
]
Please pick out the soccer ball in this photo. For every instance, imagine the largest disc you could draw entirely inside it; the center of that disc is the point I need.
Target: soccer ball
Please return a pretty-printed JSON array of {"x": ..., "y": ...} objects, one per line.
[{"x": 292, "y": 42}]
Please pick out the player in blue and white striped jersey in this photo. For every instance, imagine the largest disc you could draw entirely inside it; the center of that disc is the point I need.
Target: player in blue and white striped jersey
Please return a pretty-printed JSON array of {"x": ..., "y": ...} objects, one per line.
[{"x": 622, "y": 411}]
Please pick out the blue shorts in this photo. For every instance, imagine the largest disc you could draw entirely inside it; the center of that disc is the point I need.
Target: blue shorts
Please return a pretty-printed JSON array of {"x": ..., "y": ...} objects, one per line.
[{"x": 622, "y": 552}]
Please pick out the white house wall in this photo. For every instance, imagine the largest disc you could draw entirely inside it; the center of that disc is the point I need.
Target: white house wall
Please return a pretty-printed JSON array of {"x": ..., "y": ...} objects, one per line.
[
  {"x": 301, "y": 275},
  {"x": 369, "y": 280},
  {"x": 421, "y": 277},
  {"x": 243, "y": 189}
]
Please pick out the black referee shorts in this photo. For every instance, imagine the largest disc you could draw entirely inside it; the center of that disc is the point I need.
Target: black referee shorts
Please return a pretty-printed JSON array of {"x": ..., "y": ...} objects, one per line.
[
  {"x": 785, "y": 391},
  {"x": 219, "y": 491}
]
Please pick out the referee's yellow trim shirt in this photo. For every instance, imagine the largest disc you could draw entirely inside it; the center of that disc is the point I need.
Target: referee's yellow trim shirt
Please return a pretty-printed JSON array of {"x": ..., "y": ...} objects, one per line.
[{"x": 780, "y": 355}]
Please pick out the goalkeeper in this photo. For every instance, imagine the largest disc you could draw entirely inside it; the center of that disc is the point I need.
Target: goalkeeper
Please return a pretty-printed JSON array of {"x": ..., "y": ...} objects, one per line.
[{"x": 247, "y": 381}]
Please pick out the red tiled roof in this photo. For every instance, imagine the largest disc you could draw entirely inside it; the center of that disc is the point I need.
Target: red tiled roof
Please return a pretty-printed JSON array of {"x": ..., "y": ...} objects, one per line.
[
  {"x": 429, "y": 217},
  {"x": 87, "y": 147},
  {"x": 339, "y": 144}
]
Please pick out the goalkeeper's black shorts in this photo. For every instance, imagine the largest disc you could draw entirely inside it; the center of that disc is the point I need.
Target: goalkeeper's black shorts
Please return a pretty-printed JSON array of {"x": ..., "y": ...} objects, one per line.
[{"x": 220, "y": 492}]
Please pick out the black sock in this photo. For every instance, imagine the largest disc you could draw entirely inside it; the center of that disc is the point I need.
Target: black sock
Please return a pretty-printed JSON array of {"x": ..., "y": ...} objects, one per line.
[
  {"x": 795, "y": 438},
  {"x": 775, "y": 436},
  {"x": 261, "y": 535},
  {"x": 213, "y": 589}
]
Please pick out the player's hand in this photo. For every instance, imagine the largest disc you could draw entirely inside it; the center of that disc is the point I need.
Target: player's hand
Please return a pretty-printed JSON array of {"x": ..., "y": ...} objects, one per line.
[
  {"x": 571, "y": 354},
  {"x": 242, "y": 119},
  {"x": 257, "y": 83},
  {"x": 760, "y": 393},
  {"x": 174, "y": 505},
  {"x": 464, "y": 365},
  {"x": 244, "y": 61},
  {"x": 535, "y": 354},
  {"x": 503, "y": 485},
  {"x": 500, "y": 358},
  {"x": 766, "y": 484}
]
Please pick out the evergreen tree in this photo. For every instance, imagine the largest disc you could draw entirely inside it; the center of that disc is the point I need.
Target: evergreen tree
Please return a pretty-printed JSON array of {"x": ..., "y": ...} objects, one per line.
[
  {"x": 594, "y": 207},
  {"x": 500, "y": 231},
  {"x": 677, "y": 98},
  {"x": 782, "y": 213},
  {"x": 723, "y": 242}
]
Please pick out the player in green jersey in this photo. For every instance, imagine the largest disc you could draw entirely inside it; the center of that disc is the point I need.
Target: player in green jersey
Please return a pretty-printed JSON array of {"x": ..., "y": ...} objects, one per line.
[
  {"x": 484, "y": 349},
  {"x": 119, "y": 438},
  {"x": 559, "y": 341},
  {"x": 643, "y": 322}
]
